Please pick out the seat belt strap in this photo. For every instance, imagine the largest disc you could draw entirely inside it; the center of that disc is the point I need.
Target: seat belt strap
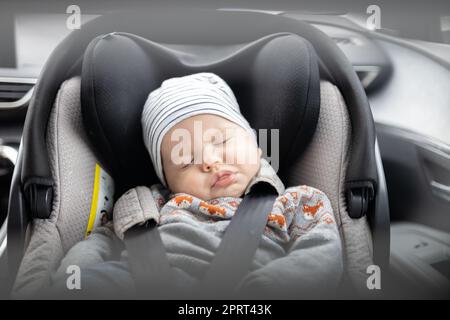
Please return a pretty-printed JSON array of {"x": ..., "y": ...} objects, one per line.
[
  {"x": 148, "y": 261},
  {"x": 237, "y": 249}
]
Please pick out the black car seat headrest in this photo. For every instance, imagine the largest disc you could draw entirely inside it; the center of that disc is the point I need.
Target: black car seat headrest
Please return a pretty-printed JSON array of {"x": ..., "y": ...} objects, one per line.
[{"x": 275, "y": 80}]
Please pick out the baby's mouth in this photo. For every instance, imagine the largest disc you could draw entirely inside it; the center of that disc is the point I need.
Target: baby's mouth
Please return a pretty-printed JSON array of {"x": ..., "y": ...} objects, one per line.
[{"x": 223, "y": 179}]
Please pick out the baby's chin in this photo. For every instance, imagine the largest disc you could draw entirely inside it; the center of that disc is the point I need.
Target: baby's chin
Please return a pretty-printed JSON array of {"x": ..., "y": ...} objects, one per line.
[
  {"x": 233, "y": 191},
  {"x": 233, "y": 194}
]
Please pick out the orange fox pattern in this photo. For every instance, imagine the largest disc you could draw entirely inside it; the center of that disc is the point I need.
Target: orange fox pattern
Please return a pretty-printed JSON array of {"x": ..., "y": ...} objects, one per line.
[
  {"x": 283, "y": 200},
  {"x": 309, "y": 212},
  {"x": 294, "y": 213},
  {"x": 183, "y": 201},
  {"x": 210, "y": 209},
  {"x": 277, "y": 218}
]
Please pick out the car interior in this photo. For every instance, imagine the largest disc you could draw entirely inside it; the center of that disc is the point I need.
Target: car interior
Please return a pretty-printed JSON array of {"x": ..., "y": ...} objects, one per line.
[{"x": 372, "y": 113}]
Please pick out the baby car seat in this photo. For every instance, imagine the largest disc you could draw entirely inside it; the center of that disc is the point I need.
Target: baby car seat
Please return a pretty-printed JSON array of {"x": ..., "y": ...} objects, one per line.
[{"x": 82, "y": 143}]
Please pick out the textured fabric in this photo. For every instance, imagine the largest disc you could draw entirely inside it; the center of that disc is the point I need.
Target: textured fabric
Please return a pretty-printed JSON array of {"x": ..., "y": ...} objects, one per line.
[
  {"x": 266, "y": 174},
  {"x": 323, "y": 166},
  {"x": 299, "y": 254},
  {"x": 87, "y": 253},
  {"x": 73, "y": 167},
  {"x": 135, "y": 206},
  {"x": 299, "y": 250},
  {"x": 72, "y": 163},
  {"x": 41, "y": 258},
  {"x": 180, "y": 98}
]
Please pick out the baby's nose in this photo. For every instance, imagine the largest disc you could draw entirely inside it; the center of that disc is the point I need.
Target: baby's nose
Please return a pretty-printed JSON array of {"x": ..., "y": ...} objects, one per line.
[
  {"x": 207, "y": 166},
  {"x": 211, "y": 157}
]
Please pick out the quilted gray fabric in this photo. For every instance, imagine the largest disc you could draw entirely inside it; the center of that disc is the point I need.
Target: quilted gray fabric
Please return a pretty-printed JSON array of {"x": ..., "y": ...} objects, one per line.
[
  {"x": 323, "y": 166},
  {"x": 134, "y": 207},
  {"x": 73, "y": 167},
  {"x": 72, "y": 163},
  {"x": 41, "y": 259}
]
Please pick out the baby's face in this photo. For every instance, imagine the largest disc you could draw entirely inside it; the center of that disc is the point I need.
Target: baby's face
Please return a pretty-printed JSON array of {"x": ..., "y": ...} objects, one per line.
[{"x": 216, "y": 159}]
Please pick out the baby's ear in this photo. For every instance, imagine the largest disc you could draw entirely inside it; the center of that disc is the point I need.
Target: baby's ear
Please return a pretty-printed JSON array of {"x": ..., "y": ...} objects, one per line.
[{"x": 259, "y": 152}]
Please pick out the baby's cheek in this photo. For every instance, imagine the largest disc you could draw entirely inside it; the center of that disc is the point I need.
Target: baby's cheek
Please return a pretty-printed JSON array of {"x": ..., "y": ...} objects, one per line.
[
  {"x": 176, "y": 183},
  {"x": 190, "y": 182},
  {"x": 242, "y": 152}
]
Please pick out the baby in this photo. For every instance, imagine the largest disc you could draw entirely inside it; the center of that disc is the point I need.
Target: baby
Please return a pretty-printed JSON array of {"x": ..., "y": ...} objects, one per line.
[{"x": 206, "y": 156}]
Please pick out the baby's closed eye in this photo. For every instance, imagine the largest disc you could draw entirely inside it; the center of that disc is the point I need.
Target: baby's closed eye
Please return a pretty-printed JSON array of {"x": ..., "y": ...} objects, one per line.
[{"x": 188, "y": 164}]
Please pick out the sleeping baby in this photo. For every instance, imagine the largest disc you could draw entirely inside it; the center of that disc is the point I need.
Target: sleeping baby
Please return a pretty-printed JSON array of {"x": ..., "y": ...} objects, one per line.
[{"x": 206, "y": 157}]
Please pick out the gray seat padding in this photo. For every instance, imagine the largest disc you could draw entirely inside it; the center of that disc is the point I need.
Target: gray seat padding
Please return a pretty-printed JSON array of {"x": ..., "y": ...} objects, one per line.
[
  {"x": 73, "y": 165},
  {"x": 73, "y": 168},
  {"x": 323, "y": 166}
]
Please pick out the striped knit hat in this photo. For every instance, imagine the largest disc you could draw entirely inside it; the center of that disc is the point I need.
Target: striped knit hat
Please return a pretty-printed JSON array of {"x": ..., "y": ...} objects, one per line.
[{"x": 181, "y": 98}]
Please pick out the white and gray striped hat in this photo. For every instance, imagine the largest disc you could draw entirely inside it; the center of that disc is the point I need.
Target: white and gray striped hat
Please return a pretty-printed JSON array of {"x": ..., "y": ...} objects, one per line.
[{"x": 180, "y": 98}]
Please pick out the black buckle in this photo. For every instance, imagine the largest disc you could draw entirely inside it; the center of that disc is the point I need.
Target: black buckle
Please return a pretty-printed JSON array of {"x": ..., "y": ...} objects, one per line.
[
  {"x": 40, "y": 199},
  {"x": 358, "y": 199}
]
